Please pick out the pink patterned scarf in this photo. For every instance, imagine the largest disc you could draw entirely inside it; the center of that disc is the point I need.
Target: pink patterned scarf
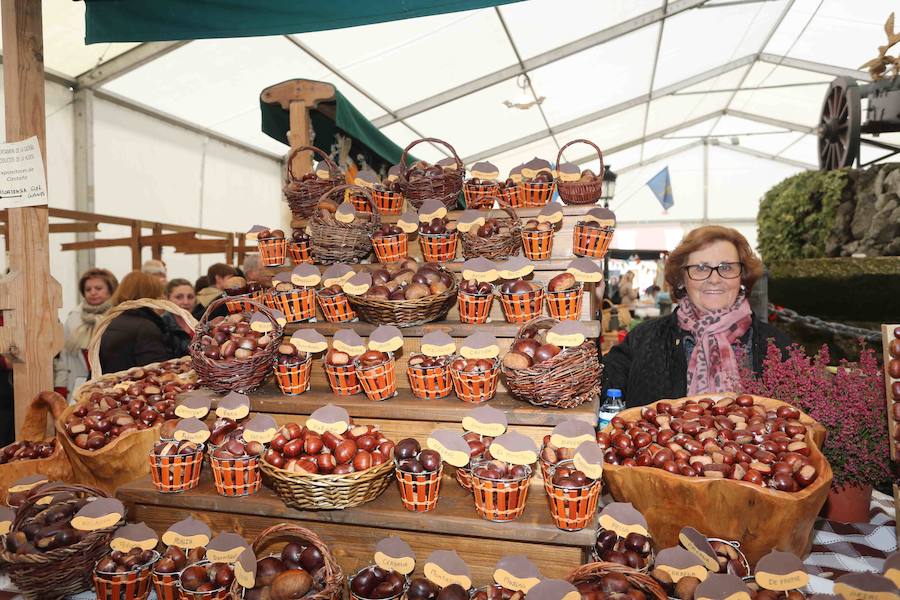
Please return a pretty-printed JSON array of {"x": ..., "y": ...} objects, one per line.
[{"x": 713, "y": 366}]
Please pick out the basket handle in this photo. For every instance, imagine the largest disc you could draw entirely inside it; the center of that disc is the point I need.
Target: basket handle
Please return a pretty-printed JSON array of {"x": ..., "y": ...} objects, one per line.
[
  {"x": 511, "y": 212},
  {"x": 94, "y": 345},
  {"x": 589, "y": 143},
  {"x": 607, "y": 301},
  {"x": 360, "y": 190},
  {"x": 403, "y": 157},
  {"x": 34, "y": 426},
  {"x": 335, "y": 171},
  {"x": 22, "y": 513},
  {"x": 538, "y": 323}
]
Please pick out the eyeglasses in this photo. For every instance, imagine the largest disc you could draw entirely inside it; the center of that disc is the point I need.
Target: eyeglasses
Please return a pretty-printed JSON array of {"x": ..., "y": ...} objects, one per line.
[{"x": 703, "y": 271}]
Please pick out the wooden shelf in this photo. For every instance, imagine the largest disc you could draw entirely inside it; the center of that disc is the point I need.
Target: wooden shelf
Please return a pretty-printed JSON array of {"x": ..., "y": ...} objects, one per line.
[
  {"x": 455, "y": 512},
  {"x": 499, "y": 328},
  {"x": 406, "y": 407}
]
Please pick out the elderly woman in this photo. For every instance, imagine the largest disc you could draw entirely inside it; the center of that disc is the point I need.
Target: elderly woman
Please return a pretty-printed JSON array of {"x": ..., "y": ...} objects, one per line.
[{"x": 696, "y": 349}]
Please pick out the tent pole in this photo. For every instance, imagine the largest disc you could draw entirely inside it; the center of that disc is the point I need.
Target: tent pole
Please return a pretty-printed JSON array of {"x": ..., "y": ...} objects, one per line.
[
  {"x": 29, "y": 296},
  {"x": 705, "y": 180}
]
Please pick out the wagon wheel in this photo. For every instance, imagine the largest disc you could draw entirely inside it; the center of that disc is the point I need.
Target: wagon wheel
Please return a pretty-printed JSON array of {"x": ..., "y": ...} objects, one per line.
[{"x": 839, "y": 125}]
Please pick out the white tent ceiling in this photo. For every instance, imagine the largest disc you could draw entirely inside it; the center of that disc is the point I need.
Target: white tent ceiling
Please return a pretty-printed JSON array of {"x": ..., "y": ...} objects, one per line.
[{"x": 644, "y": 79}]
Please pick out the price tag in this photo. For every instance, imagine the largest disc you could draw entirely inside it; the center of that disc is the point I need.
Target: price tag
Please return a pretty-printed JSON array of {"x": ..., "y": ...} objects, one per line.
[
  {"x": 245, "y": 569},
  {"x": 337, "y": 274},
  {"x": 680, "y": 563},
  {"x": 261, "y": 428},
  {"x": 568, "y": 334},
  {"x": 554, "y": 589},
  {"x": 696, "y": 543},
  {"x": 358, "y": 285},
  {"x": 623, "y": 518},
  {"x": 479, "y": 345},
  {"x": 136, "y": 535},
  {"x": 571, "y": 434},
  {"x": 485, "y": 421},
  {"x": 386, "y": 338},
  {"x": 187, "y": 534},
  {"x": 196, "y": 405},
  {"x": 865, "y": 586},
  {"x": 515, "y": 267},
  {"x": 514, "y": 448},
  {"x": 191, "y": 429},
  {"x": 226, "y": 548},
  {"x": 101, "y": 513},
  {"x": 450, "y": 445},
  {"x": 6, "y": 518},
  {"x": 233, "y": 406},
  {"x": 437, "y": 343},
  {"x": 516, "y": 573},
  {"x": 722, "y": 587},
  {"x": 589, "y": 459},
  {"x": 781, "y": 572},
  {"x": 393, "y": 554},
  {"x": 347, "y": 340},
  {"x": 329, "y": 418},
  {"x": 445, "y": 567}
]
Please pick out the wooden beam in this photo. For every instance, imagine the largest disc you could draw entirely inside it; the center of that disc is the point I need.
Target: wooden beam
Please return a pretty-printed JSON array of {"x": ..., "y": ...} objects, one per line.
[
  {"x": 157, "y": 245},
  {"x": 30, "y": 297},
  {"x": 164, "y": 239},
  {"x": 136, "y": 246},
  {"x": 73, "y": 227},
  {"x": 297, "y": 96}
]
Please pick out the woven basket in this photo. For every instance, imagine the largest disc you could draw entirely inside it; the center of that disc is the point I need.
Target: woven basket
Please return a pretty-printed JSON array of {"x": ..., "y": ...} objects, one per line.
[
  {"x": 509, "y": 197},
  {"x": 173, "y": 474},
  {"x": 378, "y": 382},
  {"x": 406, "y": 313},
  {"x": 445, "y": 188},
  {"x": 391, "y": 248},
  {"x": 131, "y": 585},
  {"x": 474, "y": 308},
  {"x": 429, "y": 383},
  {"x": 566, "y": 304},
  {"x": 481, "y": 196},
  {"x": 519, "y": 308},
  {"x": 419, "y": 491},
  {"x": 34, "y": 429},
  {"x": 236, "y": 476},
  {"x": 336, "y": 308},
  {"x": 297, "y": 304},
  {"x": 572, "y": 509},
  {"x": 591, "y": 241},
  {"x": 61, "y": 572},
  {"x": 293, "y": 380},
  {"x": 438, "y": 247},
  {"x": 285, "y": 533},
  {"x": 272, "y": 251},
  {"x": 302, "y": 196},
  {"x": 500, "y": 501},
  {"x": 332, "y": 241},
  {"x": 501, "y": 245},
  {"x": 537, "y": 244},
  {"x": 577, "y": 192},
  {"x": 535, "y": 194},
  {"x": 475, "y": 388},
  {"x": 312, "y": 491},
  {"x": 343, "y": 379},
  {"x": 388, "y": 203},
  {"x": 592, "y": 571},
  {"x": 567, "y": 380},
  {"x": 234, "y": 375}
]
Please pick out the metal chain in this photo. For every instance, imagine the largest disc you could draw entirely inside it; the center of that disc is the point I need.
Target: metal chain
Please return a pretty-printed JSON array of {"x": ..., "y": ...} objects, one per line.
[{"x": 790, "y": 316}]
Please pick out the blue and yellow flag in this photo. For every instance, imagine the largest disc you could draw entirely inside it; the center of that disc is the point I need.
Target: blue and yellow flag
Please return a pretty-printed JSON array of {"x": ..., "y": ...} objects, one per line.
[{"x": 661, "y": 185}]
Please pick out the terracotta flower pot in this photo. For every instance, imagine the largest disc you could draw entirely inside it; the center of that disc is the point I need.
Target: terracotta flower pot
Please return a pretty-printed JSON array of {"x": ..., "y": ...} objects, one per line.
[{"x": 848, "y": 503}]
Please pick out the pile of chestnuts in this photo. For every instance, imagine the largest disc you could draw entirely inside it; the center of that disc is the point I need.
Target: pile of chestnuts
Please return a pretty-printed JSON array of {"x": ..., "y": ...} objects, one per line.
[
  {"x": 207, "y": 577},
  {"x": 437, "y": 226},
  {"x": 27, "y": 450},
  {"x": 410, "y": 457},
  {"x": 633, "y": 550},
  {"x": 231, "y": 338},
  {"x": 375, "y": 583},
  {"x": 123, "y": 562},
  {"x": 174, "y": 559},
  {"x": 407, "y": 280},
  {"x": 48, "y": 527},
  {"x": 300, "y": 450},
  {"x": 531, "y": 350},
  {"x": 293, "y": 573}
]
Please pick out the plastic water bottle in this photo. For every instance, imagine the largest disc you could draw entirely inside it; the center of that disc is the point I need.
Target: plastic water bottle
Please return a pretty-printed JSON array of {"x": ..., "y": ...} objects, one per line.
[{"x": 612, "y": 406}]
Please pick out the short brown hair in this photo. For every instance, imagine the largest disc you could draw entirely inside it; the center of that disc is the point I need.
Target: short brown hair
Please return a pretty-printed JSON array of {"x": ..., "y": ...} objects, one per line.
[
  {"x": 137, "y": 285},
  {"x": 108, "y": 278},
  {"x": 174, "y": 283},
  {"x": 219, "y": 270},
  {"x": 702, "y": 237}
]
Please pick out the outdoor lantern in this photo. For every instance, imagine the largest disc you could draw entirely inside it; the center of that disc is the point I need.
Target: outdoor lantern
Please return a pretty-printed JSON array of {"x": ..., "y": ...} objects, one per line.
[{"x": 609, "y": 186}]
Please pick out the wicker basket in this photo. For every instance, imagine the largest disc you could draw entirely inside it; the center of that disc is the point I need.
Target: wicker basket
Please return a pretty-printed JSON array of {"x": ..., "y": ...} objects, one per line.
[
  {"x": 309, "y": 491},
  {"x": 61, "y": 572},
  {"x": 302, "y": 196},
  {"x": 293, "y": 380},
  {"x": 537, "y": 244},
  {"x": 445, "y": 188},
  {"x": 419, "y": 491},
  {"x": 591, "y": 241},
  {"x": 388, "y": 203},
  {"x": 577, "y": 192},
  {"x": 500, "y": 501},
  {"x": 481, "y": 196},
  {"x": 236, "y": 476},
  {"x": 336, "y": 308},
  {"x": 173, "y": 474},
  {"x": 474, "y": 308},
  {"x": 285, "y": 533},
  {"x": 391, "y": 248},
  {"x": 333, "y": 241},
  {"x": 131, "y": 585},
  {"x": 234, "y": 375},
  {"x": 566, "y": 304},
  {"x": 438, "y": 247},
  {"x": 572, "y": 509},
  {"x": 592, "y": 571},
  {"x": 406, "y": 313},
  {"x": 509, "y": 197},
  {"x": 300, "y": 252},
  {"x": 565, "y": 381},
  {"x": 535, "y": 194},
  {"x": 429, "y": 383},
  {"x": 501, "y": 245}
]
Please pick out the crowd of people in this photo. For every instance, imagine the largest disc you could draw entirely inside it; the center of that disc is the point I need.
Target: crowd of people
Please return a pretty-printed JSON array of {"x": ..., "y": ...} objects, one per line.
[{"x": 142, "y": 334}]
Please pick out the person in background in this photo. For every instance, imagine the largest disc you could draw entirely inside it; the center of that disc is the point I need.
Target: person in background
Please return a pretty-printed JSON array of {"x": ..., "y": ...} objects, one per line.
[
  {"x": 627, "y": 294},
  {"x": 70, "y": 367},
  {"x": 138, "y": 336},
  {"x": 696, "y": 349},
  {"x": 217, "y": 274},
  {"x": 202, "y": 282},
  {"x": 255, "y": 271},
  {"x": 181, "y": 292},
  {"x": 157, "y": 268}
]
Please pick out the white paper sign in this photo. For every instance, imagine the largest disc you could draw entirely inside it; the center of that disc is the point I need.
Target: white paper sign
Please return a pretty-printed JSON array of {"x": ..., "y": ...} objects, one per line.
[{"x": 22, "y": 181}]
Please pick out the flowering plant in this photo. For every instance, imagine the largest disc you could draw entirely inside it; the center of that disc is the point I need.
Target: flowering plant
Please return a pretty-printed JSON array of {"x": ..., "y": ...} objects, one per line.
[{"x": 849, "y": 402}]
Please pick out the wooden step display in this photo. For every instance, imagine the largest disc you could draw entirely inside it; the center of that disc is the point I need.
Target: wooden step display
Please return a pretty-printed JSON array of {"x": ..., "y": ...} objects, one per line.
[{"x": 351, "y": 533}]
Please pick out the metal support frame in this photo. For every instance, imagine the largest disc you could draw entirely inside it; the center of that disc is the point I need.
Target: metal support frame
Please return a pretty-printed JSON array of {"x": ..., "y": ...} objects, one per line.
[
  {"x": 125, "y": 63},
  {"x": 659, "y": 37},
  {"x": 816, "y": 67},
  {"x": 659, "y": 157},
  {"x": 773, "y": 157},
  {"x": 540, "y": 60},
  {"x": 84, "y": 169},
  {"x": 705, "y": 181}
]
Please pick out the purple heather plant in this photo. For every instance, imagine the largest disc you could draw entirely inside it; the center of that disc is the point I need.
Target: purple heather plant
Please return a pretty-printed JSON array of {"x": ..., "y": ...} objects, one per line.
[{"x": 850, "y": 403}]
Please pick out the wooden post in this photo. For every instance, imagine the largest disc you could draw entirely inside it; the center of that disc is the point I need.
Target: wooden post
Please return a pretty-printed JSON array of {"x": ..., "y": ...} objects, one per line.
[
  {"x": 32, "y": 334},
  {"x": 135, "y": 246},
  {"x": 229, "y": 249},
  {"x": 157, "y": 245}
]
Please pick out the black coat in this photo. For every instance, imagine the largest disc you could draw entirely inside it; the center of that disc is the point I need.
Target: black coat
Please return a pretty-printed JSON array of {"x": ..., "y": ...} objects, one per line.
[
  {"x": 135, "y": 338},
  {"x": 651, "y": 364}
]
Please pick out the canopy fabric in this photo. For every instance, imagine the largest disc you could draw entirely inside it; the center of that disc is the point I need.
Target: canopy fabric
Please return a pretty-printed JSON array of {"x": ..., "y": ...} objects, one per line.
[
  {"x": 377, "y": 149},
  {"x": 162, "y": 20}
]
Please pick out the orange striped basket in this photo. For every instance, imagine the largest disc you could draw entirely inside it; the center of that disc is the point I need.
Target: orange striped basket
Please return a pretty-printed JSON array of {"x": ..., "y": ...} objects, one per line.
[
  {"x": 272, "y": 251},
  {"x": 236, "y": 476},
  {"x": 429, "y": 383},
  {"x": 378, "y": 382},
  {"x": 438, "y": 247},
  {"x": 474, "y": 308},
  {"x": 537, "y": 244},
  {"x": 223, "y": 593},
  {"x": 476, "y": 387},
  {"x": 500, "y": 500},
  {"x": 464, "y": 477},
  {"x": 388, "y": 203},
  {"x": 172, "y": 474},
  {"x": 361, "y": 204},
  {"x": 292, "y": 380},
  {"x": 391, "y": 248},
  {"x": 165, "y": 585},
  {"x": 510, "y": 197},
  {"x": 519, "y": 308},
  {"x": 343, "y": 379},
  {"x": 297, "y": 304},
  {"x": 535, "y": 194},
  {"x": 336, "y": 308},
  {"x": 572, "y": 508},
  {"x": 591, "y": 241},
  {"x": 480, "y": 196},
  {"x": 132, "y": 585},
  {"x": 419, "y": 491},
  {"x": 237, "y": 304},
  {"x": 565, "y": 304},
  {"x": 300, "y": 252}
]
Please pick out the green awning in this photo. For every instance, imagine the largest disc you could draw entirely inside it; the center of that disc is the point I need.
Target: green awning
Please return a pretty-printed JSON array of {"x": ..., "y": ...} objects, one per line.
[
  {"x": 158, "y": 20},
  {"x": 379, "y": 151}
]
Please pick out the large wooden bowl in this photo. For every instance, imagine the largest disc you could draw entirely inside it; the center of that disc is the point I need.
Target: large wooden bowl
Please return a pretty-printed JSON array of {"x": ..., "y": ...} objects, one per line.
[{"x": 759, "y": 518}]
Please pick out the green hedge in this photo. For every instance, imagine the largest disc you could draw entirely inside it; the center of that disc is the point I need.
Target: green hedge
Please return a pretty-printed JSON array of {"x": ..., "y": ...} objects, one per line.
[{"x": 797, "y": 215}]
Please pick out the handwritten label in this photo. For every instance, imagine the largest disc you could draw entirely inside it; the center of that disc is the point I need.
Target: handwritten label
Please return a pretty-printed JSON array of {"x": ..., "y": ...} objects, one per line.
[
  {"x": 442, "y": 578},
  {"x": 621, "y": 529},
  {"x": 22, "y": 179},
  {"x": 186, "y": 542},
  {"x": 678, "y": 574},
  {"x": 483, "y": 429}
]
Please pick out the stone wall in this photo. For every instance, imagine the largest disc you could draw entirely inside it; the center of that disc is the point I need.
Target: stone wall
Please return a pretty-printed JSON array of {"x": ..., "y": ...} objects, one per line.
[{"x": 867, "y": 221}]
